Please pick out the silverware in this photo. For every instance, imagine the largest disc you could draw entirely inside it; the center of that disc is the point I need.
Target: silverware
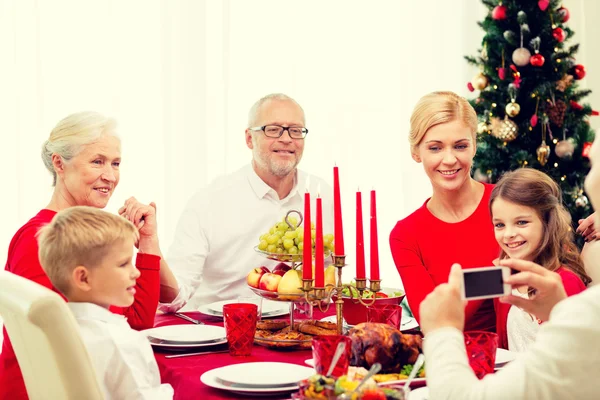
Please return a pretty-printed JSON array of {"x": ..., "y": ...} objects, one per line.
[
  {"x": 416, "y": 367},
  {"x": 375, "y": 368},
  {"x": 336, "y": 357},
  {"x": 197, "y": 354},
  {"x": 155, "y": 340},
  {"x": 192, "y": 320}
]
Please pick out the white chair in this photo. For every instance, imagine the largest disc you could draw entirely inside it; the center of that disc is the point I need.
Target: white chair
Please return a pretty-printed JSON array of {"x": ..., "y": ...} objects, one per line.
[{"x": 46, "y": 340}]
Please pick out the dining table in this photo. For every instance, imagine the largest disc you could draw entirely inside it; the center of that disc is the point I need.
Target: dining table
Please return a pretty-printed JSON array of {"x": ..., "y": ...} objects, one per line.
[{"x": 183, "y": 373}]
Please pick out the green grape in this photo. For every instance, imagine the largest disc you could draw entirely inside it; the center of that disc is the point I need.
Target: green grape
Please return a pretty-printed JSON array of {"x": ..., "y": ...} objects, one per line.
[
  {"x": 300, "y": 235},
  {"x": 288, "y": 243},
  {"x": 263, "y": 245},
  {"x": 272, "y": 239},
  {"x": 301, "y": 246},
  {"x": 278, "y": 250},
  {"x": 313, "y": 234},
  {"x": 293, "y": 250},
  {"x": 280, "y": 243},
  {"x": 263, "y": 237},
  {"x": 296, "y": 241},
  {"x": 272, "y": 231},
  {"x": 293, "y": 221},
  {"x": 271, "y": 248},
  {"x": 291, "y": 234}
]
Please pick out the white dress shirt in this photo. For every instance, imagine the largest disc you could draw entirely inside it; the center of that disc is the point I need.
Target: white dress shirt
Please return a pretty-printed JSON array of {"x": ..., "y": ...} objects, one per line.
[
  {"x": 213, "y": 248},
  {"x": 561, "y": 364},
  {"x": 122, "y": 357}
]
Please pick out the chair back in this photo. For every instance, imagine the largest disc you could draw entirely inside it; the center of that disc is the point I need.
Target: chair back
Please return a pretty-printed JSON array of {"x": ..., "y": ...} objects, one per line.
[{"x": 45, "y": 337}]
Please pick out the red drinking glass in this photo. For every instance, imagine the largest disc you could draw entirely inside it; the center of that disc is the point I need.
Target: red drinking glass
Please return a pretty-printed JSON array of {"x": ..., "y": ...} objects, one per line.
[
  {"x": 324, "y": 348},
  {"x": 240, "y": 326},
  {"x": 481, "y": 351},
  {"x": 390, "y": 314}
]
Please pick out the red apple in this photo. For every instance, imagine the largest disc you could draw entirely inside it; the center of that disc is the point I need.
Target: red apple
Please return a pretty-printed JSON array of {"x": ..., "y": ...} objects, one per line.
[
  {"x": 269, "y": 282},
  {"x": 281, "y": 269},
  {"x": 254, "y": 276}
]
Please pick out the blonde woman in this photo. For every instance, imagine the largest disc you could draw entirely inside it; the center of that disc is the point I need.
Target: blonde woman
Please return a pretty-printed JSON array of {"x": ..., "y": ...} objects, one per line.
[
  {"x": 454, "y": 225},
  {"x": 83, "y": 154}
]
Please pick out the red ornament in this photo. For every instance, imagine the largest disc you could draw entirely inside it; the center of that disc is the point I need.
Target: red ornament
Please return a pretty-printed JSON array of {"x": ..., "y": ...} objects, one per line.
[
  {"x": 564, "y": 14},
  {"x": 587, "y": 146},
  {"x": 543, "y": 4},
  {"x": 575, "y": 105},
  {"x": 502, "y": 73},
  {"x": 537, "y": 60},
  {"x": 595, "y": 113},
  {"x": 470, "y": 87},
  {"x": 534, "y": 120},
  {"x": 499, "y": 12},
  {"x": 559, "y": 34},
  {"x": 579, "y": 71}
]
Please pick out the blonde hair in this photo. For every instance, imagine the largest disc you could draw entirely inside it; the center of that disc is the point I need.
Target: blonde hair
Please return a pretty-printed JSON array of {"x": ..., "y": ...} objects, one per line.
[
  {"x": 77, "y": 236},
  {"x": 439, "y": 108},
  {"x": 253, "y": 113},
  {"x": 72, "y": 133},
  {"x": 532, "y": 188}
]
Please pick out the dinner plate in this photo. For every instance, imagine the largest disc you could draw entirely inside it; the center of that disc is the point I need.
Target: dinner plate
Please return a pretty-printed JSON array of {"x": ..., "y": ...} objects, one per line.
[
  {"x": 184, "y": 336},
  {"x": 408, "y": 322},
  {"x": 211, "y": 378},
  {"x": 263, "y": 374},
  {"x": 421, "y": 393},
  {"x": 269, "y": 308}
]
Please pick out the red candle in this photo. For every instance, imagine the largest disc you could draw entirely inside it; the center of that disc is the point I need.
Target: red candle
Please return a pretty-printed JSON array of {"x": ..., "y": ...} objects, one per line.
[
  {"x": 360, "y": 244},
  {"x": 338, "y": 229},
  {"x": 374, "y": 245},
  {"x": 307, "y": 250},
  {"x": 319, "y": 257}
]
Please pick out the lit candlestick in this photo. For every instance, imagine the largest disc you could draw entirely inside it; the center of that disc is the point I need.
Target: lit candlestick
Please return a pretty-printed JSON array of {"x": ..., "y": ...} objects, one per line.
[
  {"x": 360, "y": 244},
  {"x": 319, "y": 257},
  {"x": 307, "y": 250},
  {"x": 338, "y": 231},
  {"x": 374, "y": 245}
]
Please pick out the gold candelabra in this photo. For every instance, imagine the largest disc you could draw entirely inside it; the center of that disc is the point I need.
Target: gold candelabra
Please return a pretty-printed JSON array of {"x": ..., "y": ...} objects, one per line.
[{"x": 322, "y": 296}]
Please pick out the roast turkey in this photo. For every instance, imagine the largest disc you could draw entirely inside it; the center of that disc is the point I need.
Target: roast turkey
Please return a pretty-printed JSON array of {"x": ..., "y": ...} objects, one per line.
[{"x": 382, "y": 343}]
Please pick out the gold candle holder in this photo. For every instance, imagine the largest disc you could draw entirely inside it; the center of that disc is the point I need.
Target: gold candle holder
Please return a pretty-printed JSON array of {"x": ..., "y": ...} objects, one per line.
[{"x": 375, "y": 285}]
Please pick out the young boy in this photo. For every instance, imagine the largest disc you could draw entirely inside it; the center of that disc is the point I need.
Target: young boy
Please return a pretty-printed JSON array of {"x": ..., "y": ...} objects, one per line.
[{"x": 87, "y": 254}]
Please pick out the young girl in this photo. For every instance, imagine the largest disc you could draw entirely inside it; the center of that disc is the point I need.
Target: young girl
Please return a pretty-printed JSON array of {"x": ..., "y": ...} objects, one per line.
[{"x": 531, "y": 223}]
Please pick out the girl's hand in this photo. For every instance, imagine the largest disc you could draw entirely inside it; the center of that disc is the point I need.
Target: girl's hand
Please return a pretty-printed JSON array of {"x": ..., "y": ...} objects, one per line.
[{"x": 548, "y": 285}]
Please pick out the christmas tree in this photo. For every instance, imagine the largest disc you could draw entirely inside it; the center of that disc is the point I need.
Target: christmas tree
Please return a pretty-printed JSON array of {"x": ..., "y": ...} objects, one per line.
[{"x": 529, "y": 102}]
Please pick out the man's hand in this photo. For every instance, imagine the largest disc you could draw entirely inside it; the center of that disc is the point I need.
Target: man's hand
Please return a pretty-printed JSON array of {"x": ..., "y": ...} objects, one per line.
[
  {"x": 548, "y": 285},
  {"x": 586, "y": 228},
  {"x": 444, "y": 307}
]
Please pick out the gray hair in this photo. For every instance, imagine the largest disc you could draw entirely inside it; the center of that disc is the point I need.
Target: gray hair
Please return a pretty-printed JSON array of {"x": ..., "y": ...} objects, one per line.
[
  {"x": 72, "y": 133},
  {"x": 253, "y": 114}
]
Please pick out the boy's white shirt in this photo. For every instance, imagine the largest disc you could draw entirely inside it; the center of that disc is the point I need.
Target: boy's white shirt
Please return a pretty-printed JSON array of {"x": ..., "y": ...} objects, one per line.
[{"x": 122, "y": 357}]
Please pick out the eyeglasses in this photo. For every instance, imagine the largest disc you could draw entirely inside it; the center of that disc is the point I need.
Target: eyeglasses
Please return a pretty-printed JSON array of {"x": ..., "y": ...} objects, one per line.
[{"x": 275, "y": 131}]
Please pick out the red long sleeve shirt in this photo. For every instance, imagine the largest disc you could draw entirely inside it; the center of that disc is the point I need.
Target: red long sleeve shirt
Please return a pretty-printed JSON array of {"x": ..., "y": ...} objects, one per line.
[
  {"x": 425, "y": 247},
  {"x": 23, "y": 261}
]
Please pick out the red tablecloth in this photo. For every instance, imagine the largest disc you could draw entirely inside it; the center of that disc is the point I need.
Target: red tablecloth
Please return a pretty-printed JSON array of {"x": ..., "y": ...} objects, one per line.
[{"x": 184, "y": 373}]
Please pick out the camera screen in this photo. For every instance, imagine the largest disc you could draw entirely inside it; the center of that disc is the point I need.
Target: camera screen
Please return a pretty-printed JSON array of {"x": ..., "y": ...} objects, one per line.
[{"x": 483, "y": 283}]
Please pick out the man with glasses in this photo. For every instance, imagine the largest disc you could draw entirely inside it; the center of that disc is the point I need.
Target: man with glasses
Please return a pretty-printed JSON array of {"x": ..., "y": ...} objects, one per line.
[{"x": 213, "y": 250}]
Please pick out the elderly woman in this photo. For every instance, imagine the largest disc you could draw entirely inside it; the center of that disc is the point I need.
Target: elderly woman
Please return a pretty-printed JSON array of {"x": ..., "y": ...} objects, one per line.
[
  {"x": 454, "y": 225},
  {"x": 83, "y": 154}
]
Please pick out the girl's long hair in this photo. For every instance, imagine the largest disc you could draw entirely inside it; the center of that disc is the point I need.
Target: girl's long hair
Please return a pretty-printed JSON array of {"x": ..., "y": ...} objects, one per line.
[{"x": 531, "y": 188}]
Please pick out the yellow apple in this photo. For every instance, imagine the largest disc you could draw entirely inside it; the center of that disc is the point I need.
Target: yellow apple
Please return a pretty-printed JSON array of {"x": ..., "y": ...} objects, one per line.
[{"x": 291, "y": 283}]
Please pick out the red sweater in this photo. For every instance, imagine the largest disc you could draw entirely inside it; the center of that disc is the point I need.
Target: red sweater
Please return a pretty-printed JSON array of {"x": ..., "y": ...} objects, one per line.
[
  {"x": 572, "y": 284},
  {"x": 23, "y": 261},
  {"x": 425, "y": 247}
]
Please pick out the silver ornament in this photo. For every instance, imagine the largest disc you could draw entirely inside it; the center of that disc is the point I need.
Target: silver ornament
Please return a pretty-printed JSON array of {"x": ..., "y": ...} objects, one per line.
[
  {"x": 581, "y": 201},
  {"x": 564, "y": 148},
  {"x": 521, "y": 56}
]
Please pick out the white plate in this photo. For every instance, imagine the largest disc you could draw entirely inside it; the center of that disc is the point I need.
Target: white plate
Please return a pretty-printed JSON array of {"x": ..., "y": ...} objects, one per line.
[
  {"x": 408, "y": 322},
  {"x": 269, "y": 308},
  {"x": 187, "y": 335},
  {"x": 421, "y": 393},
  {"x": 264, "y": 374},
  {"x": 504, "y": 356},
  {"x": 310, "y": 362},
  {"x": 210, "y": 378}
]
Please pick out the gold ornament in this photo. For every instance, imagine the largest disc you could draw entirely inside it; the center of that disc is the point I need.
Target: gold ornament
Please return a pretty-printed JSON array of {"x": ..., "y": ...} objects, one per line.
[
  {"x": 543, "y": 152},
  {"x": 505, "y": 130},
  {"x": 513, "y": 109},
  {"x": 480, "y": 81},
  {"x": 483, "y": 127}
]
